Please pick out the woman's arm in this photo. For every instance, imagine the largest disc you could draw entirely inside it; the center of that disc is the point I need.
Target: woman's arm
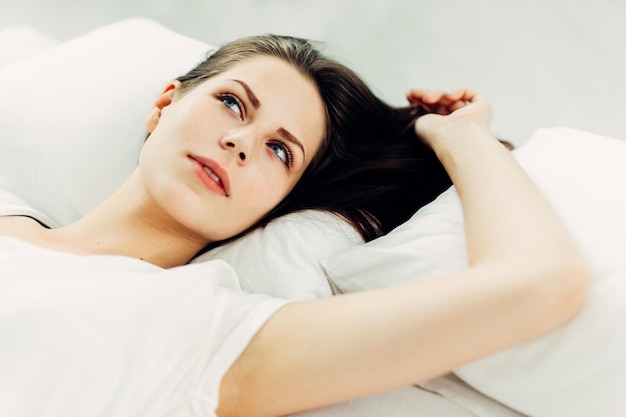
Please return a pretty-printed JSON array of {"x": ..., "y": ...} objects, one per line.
[{"x": 525, "y": 278}]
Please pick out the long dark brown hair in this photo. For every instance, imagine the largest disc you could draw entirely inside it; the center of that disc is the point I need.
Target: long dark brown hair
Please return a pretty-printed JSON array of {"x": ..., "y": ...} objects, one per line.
[{"x": 371, "y": 169}]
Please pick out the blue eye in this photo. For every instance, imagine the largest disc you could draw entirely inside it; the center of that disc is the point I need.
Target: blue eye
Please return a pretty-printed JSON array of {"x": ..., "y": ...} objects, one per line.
[
  {"x": 232, "y": 103},
  {"x": 282, "y": 151}
]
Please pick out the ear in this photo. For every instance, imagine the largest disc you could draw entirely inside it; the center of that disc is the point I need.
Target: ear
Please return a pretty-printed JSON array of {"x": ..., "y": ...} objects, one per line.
[{"x": 164, "y": 100}]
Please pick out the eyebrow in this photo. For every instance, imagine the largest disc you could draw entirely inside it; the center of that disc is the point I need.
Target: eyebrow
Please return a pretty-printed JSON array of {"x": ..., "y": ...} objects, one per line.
[
  {"x": 291, "y": 138},
  {"x": 284, "y": 133},
  {"x": 253, "y": 99}
]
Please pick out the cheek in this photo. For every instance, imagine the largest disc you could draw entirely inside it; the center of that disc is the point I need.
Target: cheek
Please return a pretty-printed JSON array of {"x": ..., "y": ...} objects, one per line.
[
  {"x": 265, "y": 189},
  {"x": 195, "y": 120}
]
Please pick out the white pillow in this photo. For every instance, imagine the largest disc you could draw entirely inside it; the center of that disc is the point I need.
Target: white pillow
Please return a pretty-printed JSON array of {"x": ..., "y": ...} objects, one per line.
[
  {"x": 578, "y": 370},
  {"x": 80, "y": 107},
  {"x": 432, "y": 242},
  {"x": 19, "y": 42},
  {"x": 72, "y": 117},
  {"x": 72, "y": 133},
  {"x": 283, "y": 258}
]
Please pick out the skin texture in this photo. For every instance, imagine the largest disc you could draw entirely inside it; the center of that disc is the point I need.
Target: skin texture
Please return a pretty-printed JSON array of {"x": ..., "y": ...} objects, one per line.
[
  {"x": 241, "y": 126},
  {"x": 169, "y": 200},
  {"x": 526, "y": 277}
]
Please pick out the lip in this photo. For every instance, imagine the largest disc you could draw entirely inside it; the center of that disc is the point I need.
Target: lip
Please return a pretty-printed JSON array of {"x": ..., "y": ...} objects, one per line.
[{"x": 223, "y": 186}]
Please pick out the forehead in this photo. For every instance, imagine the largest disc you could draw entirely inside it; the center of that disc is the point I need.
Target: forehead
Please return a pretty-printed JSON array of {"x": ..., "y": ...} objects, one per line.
[{"x": 287, "y": 98}]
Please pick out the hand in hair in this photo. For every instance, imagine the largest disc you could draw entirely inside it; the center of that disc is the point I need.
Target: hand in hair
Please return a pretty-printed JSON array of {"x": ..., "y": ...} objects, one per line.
[{"x": 448, "y": 112}]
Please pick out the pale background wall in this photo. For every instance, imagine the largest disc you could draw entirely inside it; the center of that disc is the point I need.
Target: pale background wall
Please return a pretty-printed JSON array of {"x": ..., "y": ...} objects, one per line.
[{"x": 540, "y": 62}]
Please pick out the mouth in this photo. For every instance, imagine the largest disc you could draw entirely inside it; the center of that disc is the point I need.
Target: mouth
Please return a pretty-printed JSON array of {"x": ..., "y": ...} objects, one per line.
[{"x": 211, "y": 174}]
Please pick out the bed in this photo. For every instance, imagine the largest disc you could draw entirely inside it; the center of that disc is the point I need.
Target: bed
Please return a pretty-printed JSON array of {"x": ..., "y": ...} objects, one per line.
[{"x": 83, "y": 111}]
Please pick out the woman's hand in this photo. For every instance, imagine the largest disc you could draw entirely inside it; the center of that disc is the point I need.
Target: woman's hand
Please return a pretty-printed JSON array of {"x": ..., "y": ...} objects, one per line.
[
  {"x": 448, "y": 114},
  {"x": 524, "y": 273}
]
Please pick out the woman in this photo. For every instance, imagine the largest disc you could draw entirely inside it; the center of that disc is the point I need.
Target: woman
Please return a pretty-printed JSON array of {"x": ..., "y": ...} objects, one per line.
[
  {"x": 226, "y": 146},
  {"x": 369, "y": 158}
]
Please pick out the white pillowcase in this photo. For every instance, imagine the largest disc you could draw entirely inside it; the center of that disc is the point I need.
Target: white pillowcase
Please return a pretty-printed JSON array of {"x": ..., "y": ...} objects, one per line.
[
  {"x": 72, "y": 117},
  {"x": 19, "y": 42},
  {"x": 578, "y": 370},
  {"x": 283, "y": 258},
  {"x": 72, "y": 127}
]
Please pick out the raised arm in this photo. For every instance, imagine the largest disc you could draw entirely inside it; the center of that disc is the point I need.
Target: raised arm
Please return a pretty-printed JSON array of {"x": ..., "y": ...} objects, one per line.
[{"x": 525, "y": 278}]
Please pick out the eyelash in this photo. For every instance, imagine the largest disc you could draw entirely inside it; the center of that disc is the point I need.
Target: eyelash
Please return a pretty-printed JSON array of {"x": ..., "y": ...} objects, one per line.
[
  {"x": 288, "y": 154},
  {"x": 227, "y": 95}
]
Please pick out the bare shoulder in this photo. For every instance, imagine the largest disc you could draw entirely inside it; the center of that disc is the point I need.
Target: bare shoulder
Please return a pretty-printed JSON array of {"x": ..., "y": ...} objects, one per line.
[{"x": 21, "y": 227}]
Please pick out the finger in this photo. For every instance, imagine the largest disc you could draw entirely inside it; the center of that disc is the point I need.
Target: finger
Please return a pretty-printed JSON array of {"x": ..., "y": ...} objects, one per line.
[
  {"x": 435, "y": 96},
  {"x": 428, "y": 108},
  {"x": 456, "y": 95},
  {"x": 457, "y": 105},
  {"x": 416, "y": 100},
  {"x": 433, "y": 100},
  {"x": 417, "y": 91},
  {"x": 441, "y": 109},
  {"x": 462, "y": 97},
  {"x": 416, "y": 94},
  {"x": 471, "y": 95},
  {"x": 462, "y": 94},
  {"x": 425, "y": 96}
]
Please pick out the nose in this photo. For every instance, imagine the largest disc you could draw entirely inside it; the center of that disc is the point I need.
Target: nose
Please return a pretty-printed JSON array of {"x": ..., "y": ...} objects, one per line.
[
  {"x": 242, "y": 142},
  {"x": 242, "y": 154}
]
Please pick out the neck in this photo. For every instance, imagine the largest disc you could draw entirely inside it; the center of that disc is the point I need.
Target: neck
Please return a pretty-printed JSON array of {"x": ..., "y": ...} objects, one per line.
[{"x": 130, "y": 223}]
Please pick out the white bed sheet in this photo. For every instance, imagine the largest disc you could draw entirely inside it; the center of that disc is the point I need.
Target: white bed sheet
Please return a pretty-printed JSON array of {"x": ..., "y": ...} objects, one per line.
[{"x": 444, "y": 397}]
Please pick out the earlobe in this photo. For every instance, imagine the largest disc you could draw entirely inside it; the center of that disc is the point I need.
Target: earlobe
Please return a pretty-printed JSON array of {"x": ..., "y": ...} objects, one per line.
[{"x": 164, "y": 100}]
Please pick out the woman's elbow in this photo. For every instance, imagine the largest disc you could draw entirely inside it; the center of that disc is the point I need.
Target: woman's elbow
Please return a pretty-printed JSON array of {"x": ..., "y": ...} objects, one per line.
[
  {"x": 576, "y": 277},
  {"x": 567, "y": 286},
  {"x": 552, "y": 288}
]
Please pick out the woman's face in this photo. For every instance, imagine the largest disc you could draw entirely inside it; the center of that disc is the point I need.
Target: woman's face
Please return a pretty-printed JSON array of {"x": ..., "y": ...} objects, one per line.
[{"x": 222, "y": 155}]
